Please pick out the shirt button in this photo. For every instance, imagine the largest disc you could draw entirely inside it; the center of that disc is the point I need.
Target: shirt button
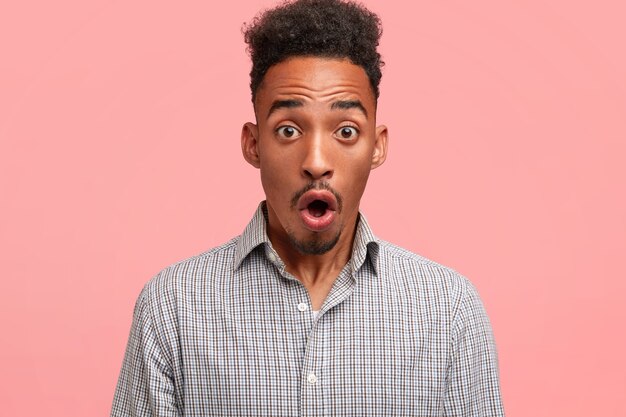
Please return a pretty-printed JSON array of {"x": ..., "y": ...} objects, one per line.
[
  {"x": 311, "y": 379},
  {"x": 303, "y": 307},
  {"x": 271, "y": 257}
]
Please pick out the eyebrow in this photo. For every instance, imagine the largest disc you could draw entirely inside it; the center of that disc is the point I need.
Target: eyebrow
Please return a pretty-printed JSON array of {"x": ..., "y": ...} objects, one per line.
[
  {"x": 349, "y": 104},
  {"x": 337, "y": 105},
  {"x": 284, "y": 104}
]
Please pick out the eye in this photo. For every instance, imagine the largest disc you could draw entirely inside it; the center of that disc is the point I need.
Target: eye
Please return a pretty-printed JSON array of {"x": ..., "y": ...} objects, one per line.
[
  {"x": 347, "y": 133},
  {"x": 288, "y": 132}
]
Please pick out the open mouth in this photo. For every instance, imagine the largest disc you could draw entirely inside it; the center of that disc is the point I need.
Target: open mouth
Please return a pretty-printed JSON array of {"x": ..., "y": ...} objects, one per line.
[
  {"x": 317, "y": 202},
  {"x": 317, "y": 208}
]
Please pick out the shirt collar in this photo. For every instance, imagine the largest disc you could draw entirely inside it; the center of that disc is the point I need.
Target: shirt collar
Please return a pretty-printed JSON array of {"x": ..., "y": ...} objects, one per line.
[{"x": 255, "y": 234}]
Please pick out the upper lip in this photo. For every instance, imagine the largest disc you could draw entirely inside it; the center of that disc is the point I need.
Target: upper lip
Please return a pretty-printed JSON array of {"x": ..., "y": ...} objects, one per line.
[{"x": 322, "y": 195}]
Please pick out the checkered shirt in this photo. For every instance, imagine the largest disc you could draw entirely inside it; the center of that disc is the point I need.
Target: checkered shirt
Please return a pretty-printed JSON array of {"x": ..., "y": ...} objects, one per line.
[{"x": 231, "y": 333}]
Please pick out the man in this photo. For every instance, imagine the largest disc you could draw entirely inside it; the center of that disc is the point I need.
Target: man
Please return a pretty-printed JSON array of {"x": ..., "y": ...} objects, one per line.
[{"x": 307, "y": 312}]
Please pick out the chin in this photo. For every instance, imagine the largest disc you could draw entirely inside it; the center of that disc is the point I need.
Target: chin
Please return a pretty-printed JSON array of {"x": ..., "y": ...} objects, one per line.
[{"x": 314, "y": 246}]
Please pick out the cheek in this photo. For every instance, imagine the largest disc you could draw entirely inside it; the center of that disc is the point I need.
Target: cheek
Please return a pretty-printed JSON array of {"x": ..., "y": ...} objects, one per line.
[
  {"x": 274, "y": 178},
  {"x": 357, "y": 166},
  {"x": 354, "y": 185},
  {"x": 359, "y": 181}
]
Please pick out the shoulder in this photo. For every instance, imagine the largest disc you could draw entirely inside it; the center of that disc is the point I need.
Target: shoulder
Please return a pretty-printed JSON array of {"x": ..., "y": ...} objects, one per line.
[
  {"x": 437, "y": 288},
  {"x": 200, "y": 270},
  {"x": 424, "y": 275}
]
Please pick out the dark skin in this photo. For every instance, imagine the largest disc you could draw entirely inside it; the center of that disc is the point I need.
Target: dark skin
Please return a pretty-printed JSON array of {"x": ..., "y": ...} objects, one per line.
[{"x": 316, "y": 122}]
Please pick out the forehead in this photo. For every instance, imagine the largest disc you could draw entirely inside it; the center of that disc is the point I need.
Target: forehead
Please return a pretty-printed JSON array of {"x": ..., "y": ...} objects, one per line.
[{"x": 315, "y": 79}]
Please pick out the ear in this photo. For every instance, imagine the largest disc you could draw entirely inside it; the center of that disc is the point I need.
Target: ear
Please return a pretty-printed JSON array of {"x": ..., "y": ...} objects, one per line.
[
  {"x": 250, "y": 144},
  {"x": 380, "y": 147}
]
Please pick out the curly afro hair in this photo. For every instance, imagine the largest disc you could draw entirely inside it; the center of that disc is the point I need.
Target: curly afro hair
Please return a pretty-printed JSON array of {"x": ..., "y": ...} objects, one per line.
[{"x": 324, "y": 28}]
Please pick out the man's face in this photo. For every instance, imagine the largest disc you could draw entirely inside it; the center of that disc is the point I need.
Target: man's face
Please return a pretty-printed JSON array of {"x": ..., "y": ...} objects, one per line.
[{"x": 315, "y": 143}]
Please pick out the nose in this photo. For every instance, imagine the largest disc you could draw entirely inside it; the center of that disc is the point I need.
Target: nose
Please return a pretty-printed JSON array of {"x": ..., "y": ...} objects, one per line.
[{"x": 317, "y": 161}]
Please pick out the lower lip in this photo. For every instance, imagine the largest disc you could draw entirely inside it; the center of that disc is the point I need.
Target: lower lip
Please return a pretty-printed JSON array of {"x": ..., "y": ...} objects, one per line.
[{"x": 317, "y": 224}]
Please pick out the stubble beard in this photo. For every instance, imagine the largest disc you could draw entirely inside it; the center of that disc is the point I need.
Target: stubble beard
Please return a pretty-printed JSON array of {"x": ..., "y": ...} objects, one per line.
[{"x": 314, "y": 246}]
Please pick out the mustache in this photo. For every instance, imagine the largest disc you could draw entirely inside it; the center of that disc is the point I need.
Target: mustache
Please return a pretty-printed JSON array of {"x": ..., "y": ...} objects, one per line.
[{"x": 322, "y": 185}]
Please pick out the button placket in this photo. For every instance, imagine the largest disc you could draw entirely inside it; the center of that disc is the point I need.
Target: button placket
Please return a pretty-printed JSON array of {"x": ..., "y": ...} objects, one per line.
[{"x": 312, "y": 394}]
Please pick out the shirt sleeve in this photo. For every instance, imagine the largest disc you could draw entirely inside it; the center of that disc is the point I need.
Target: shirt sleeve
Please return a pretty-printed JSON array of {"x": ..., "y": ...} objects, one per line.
[
  {"x": 473, "y": 380},
  {"x": 146, "y": 383}
]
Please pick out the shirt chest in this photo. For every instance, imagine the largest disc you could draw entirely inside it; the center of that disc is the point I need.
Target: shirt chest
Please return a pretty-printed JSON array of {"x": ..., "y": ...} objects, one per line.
[{"x": 369, "y": 353}]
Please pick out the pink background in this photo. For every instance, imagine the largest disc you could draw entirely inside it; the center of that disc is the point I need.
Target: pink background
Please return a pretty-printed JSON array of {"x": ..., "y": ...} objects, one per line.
[{"x": 119, "y": 154}]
